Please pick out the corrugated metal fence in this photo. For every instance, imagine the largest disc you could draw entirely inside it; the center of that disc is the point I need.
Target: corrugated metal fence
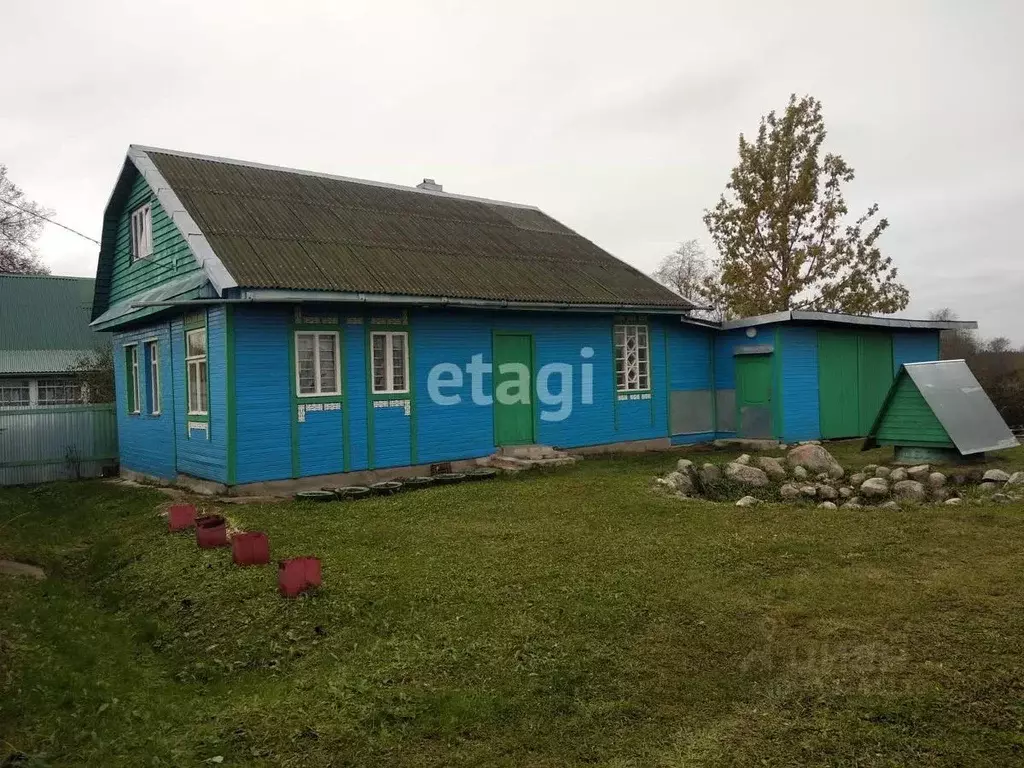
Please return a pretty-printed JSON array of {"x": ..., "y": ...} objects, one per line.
[{"x": 68, "y": 442}]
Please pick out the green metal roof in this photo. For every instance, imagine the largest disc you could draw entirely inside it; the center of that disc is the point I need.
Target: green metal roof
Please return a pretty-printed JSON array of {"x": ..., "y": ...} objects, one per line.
[
  {"x": 276, "y": 228},
  {"x": 44, "y": 323}
]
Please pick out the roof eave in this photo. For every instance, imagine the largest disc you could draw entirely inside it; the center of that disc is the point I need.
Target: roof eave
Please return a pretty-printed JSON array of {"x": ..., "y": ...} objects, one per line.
[{"x": 841, "y": 319}]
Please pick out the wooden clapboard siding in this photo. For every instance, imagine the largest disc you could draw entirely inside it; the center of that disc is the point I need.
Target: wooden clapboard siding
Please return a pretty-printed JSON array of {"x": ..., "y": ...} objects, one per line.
[
  {"x": 908, "y": 420},
  {"x": 171, "y": 255}
]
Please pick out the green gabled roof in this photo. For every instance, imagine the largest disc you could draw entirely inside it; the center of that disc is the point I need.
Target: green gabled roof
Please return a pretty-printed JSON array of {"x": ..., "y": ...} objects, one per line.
[
  {"x": 264, "y": 228},
  {"x": 44, "y": 323},
  {"x": 939, "y": 404}
]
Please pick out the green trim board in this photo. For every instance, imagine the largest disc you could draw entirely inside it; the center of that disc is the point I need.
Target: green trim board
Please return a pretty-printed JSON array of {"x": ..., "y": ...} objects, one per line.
[{"x": 513, "y": 424}]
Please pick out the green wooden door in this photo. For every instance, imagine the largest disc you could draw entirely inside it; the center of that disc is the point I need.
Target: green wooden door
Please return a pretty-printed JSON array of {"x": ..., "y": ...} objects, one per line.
[
  {"x": 754, "y": 395},
  {"x": 838, "y": 384},
  {"x": 513, "y": 407},
  {"x": 874, "y": 376}
]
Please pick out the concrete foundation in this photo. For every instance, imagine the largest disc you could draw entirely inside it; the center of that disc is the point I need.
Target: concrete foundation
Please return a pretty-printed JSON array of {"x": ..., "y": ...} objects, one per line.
[{"x": 289, "y": 487}]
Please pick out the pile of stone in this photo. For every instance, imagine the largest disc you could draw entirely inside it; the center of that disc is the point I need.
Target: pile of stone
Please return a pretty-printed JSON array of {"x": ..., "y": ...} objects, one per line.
[{"x": 810, "y": 473}]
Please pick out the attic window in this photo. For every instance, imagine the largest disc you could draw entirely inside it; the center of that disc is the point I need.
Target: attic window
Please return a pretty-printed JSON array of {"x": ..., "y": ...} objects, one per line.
[{"x": 142, "y": 233}]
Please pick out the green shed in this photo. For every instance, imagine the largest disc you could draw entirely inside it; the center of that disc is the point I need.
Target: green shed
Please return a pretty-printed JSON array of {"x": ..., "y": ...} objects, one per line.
[{"x": 937, "y": 411}]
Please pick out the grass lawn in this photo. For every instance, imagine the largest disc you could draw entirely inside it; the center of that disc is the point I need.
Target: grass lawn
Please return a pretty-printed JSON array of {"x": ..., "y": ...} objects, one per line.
[{"x": 567, "y": 618}]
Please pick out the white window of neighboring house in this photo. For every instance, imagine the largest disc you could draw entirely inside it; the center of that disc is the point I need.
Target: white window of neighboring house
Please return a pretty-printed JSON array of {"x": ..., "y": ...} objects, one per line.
[
  {"x": 61, "y": 392},
  {"x": 15, "y": 393},
  {"x": 317, "y": 370},
  {"x": 152, "y": 349},
  {"x": 632, "y": 359},
  {"x": 390, "y": 362},
  {"x": 131, "y": 364},
  {"x": 195, "y": 367},
  {"x": 142, "y": 232}
]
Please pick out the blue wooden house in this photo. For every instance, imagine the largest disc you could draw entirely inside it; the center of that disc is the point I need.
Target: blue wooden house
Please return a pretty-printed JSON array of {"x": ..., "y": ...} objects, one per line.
[{"x": 274, "y": 325}]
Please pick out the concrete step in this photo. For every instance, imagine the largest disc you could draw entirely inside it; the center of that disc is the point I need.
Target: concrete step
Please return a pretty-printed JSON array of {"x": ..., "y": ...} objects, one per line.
[
  {"x": 517, "y": 464},
  {"x": 532, "y": 452}
]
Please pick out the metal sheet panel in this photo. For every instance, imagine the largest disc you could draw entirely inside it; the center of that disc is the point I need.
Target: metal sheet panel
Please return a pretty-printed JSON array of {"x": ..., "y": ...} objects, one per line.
[
  {"x": 755, "y": 421},
  {"x": 691, "y": 411},
  {"x": 41, "y": 444},
  {"x": 961, "y": 405},
  {"x": 725, "y": 410}
]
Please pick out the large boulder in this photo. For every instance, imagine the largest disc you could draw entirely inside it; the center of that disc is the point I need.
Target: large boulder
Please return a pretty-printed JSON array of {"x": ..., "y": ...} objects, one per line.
[
  {"x": 710, "y": 475},
  {"x": 743, "y": 459},
  {"x": 827, "y": 492},
  {"x": 989, "y": 487},
  {"x": 936, "y": 479},
  {"x": 897, "y": 475},
  {"x": 809, "y": 491},
  {"x": 814, "y": 459},
  {"x": 1017, "y": 478},
  {"x": 680, "y": 482},
  {"x": 919, "y": 473},
  {"x": 685, "y": 465},
  {"x": 909, "y": 490},
  {"x": 875, "y": 487},
  {"x": 995, "y": 476},
  {"x": 789, "y": 492},
  {"x": 889, "y": 505},
  {"x": 826, "y": 505},
  {"x": 846, "y": 492},
  {"x": 745, "y": 474},
  {"x": 771, "y": 467},
  {"x": 882, "y": 472},
  {"x": 748, "y": 501},
  {"x": 857, "y": 478}
]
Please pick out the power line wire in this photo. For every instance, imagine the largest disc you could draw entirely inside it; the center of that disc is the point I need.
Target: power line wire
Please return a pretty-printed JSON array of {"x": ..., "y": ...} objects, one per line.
[{"x": 44, "y": 218}]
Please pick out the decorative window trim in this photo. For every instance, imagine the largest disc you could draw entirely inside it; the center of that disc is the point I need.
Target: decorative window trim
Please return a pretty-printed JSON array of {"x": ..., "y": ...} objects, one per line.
[
  {"x": 318, "y": 392},
  {"x": 195, "y": 361},
  {"x": 153, "y": 374},
  {"x": 131, "y": 382},
  {"x": 389, "y": 363},
  {"x": 142, "y": 232},
  {"x": 636, "y": 371}
]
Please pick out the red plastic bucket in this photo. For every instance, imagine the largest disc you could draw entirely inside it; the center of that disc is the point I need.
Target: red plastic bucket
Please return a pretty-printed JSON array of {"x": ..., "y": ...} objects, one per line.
[
  {"x": 298, "y": 574},
  {"x": 180, "y": 517},
  {"x": 251, "y": 548},
  {"x": 211, "y": 532}
]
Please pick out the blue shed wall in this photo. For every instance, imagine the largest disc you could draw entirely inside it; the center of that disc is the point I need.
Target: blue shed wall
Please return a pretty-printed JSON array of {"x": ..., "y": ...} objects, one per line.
[
  {"x": 798, "y": 354},
  {"x": 146, "y": 441},
  {"x": 914, "y": 347},
  {"x": 689, "y": 357}
]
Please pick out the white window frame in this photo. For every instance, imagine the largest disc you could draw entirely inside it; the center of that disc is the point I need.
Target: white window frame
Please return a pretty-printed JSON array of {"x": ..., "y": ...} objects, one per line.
[
  {"x": 389, "y": 363},
  {"x": 66, "y": 382},
  {"x": 133, "y": 378},
  {"x": 153, "y": 373},
  {"x": 195, "y": 360},
  {"x": 642, "y": 368},
  {"x": 316, "y": 363},
  {"x": 142, "y": 232},
  {"x": 23, "y": 384}
]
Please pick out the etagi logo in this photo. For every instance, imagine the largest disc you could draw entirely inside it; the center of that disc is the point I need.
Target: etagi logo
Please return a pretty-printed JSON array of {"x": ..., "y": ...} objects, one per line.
[{"x": 513, "y": 388}]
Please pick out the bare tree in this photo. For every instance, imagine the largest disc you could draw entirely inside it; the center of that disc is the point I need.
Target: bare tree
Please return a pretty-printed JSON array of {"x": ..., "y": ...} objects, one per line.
[
  {"x": 20, "y": 226},
  {"x": 96, "y": 371},
  {"x": 689, "y": 272},
  {"x": 958, "y": 344}
]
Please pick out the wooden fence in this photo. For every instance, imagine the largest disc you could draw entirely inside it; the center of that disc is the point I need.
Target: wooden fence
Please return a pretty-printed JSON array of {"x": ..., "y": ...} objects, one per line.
[{"x": 62, "y": 443}]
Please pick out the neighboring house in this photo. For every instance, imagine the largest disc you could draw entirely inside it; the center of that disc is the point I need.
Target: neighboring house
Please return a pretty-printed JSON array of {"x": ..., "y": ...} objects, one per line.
[
  {"x": 44, "y": 332},
  {"x": 274, "y": 324},
  {"x": 48, "y": 428}
]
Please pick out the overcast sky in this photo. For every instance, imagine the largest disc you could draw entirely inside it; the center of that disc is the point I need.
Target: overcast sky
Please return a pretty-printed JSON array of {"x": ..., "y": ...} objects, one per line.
[{"x": 620, "y": 119}]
